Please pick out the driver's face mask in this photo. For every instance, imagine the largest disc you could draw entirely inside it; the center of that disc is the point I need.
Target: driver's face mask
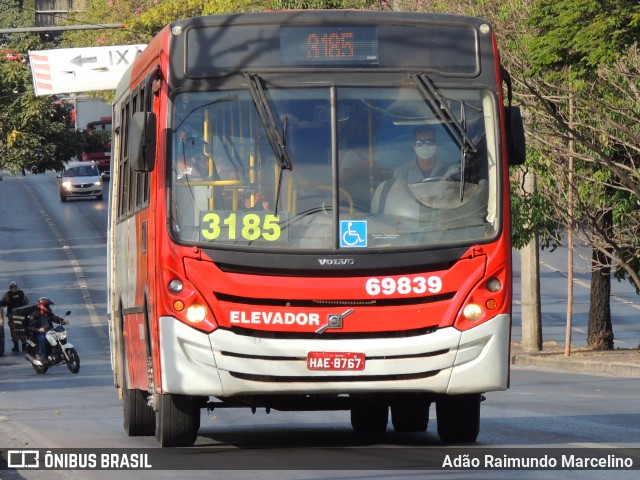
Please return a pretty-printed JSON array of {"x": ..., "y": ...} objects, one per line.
[{"x": 424, "y": 151}]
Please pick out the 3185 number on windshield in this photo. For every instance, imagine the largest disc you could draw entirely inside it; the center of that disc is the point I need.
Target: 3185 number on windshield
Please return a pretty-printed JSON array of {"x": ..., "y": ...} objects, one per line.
[{"x": 231, "y": 226}]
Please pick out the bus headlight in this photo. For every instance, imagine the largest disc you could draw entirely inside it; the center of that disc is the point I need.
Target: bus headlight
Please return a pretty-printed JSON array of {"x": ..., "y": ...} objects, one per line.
[
  {"x": 472, "y": 312},
  {"x": 196, "y": 313}
]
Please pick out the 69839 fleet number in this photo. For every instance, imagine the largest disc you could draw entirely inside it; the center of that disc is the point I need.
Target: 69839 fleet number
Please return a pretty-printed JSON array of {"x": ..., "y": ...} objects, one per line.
[{"x": 403, "y": 285}]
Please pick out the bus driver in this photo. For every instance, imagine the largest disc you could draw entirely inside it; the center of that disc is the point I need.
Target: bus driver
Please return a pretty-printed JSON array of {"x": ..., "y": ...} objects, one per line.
[{"x": 426, "y": 163}]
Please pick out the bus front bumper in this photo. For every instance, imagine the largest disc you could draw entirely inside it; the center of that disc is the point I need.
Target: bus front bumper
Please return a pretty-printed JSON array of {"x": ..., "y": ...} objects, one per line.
[{"x": 224, "y": 364}]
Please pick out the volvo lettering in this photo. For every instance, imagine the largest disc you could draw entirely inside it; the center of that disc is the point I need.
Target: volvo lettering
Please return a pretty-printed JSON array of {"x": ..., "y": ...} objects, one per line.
[{"x": 336, "y": 261}]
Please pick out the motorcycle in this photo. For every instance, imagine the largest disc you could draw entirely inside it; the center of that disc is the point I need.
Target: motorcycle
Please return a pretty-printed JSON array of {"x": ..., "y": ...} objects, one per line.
[{"x": 59, "y": 351}]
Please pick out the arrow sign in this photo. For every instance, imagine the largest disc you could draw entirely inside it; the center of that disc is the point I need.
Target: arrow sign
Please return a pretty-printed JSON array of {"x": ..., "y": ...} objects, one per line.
[
  {"x": 80, "y": 60},
  {"x": 77, "y": 70}
]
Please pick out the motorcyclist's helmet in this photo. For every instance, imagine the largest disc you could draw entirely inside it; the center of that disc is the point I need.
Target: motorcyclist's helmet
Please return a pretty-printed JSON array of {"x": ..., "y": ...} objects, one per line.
[
  {"x": 44, "y": 304},
  {"x": 13, "y": 284}
]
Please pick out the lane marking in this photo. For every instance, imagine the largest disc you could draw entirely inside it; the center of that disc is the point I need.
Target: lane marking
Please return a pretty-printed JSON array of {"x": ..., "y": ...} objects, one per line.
[{"x": 75, "y": 264}]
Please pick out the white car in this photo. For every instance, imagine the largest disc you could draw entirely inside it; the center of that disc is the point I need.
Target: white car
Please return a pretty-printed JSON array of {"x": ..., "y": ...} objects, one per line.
[{"x": 80, "y": 180}]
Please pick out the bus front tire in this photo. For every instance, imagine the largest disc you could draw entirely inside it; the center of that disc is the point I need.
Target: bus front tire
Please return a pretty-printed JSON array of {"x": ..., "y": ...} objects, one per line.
[
  {"x": 177, "y": 420},
  {"x": 458, "y": 418}
]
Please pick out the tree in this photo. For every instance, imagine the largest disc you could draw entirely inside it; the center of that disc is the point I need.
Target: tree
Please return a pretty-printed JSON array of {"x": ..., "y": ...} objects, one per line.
[
  {"x": 584, "y": 50},
  {"x": 34, "y": 131},
  {"x": 143, "y": 19}
]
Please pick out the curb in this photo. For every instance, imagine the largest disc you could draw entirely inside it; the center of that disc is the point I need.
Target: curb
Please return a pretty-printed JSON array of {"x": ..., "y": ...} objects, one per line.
[{"x": 576, "y": 365}]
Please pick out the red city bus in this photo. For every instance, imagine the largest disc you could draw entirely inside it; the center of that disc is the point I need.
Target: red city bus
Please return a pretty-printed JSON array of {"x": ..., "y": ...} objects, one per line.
[{"x": 310, "y": 211}]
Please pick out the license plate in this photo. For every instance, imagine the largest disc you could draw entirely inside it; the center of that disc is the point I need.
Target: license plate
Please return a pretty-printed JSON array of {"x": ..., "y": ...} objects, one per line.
[{"x": 335, "y": 361}]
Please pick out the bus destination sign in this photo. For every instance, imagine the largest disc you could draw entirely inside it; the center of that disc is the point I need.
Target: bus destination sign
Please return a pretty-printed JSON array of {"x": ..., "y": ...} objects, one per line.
[{"x": 302, "y": 45}]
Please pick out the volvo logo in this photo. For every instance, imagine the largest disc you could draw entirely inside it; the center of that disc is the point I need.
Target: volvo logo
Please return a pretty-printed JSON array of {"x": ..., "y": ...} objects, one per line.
[
  {"x": 334, "y": 321},
  {"x": 336, "y": 262}
]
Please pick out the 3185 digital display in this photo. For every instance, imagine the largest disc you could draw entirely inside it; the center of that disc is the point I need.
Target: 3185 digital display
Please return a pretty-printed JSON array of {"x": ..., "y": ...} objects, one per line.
[{"x": 314, "y": 45}]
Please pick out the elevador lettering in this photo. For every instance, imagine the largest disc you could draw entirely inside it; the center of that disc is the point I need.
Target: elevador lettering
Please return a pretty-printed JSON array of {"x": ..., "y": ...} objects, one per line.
[{"x": 273, "y": 318}]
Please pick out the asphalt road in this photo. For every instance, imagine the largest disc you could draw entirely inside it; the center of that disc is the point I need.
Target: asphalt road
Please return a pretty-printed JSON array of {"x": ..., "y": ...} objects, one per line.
[{"x": 625, "y": 303}]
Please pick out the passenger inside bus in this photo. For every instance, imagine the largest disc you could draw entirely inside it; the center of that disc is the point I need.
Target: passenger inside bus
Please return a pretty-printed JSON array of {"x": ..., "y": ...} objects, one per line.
[{"x": 193, "y": 166}]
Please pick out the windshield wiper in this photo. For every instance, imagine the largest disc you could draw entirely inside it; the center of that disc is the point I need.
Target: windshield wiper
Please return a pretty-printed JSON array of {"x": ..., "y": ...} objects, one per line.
[
  {"x": 457, "y": 128},
  {"x": 277, "y": 139}
]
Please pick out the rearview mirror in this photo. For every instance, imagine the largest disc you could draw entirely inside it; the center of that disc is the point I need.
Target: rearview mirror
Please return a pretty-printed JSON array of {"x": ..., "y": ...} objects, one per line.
[{"x": 516, "y": 146}]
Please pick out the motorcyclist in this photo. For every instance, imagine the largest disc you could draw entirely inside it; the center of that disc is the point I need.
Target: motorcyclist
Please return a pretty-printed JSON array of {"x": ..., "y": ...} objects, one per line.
[{"x": 40, "y": 322}]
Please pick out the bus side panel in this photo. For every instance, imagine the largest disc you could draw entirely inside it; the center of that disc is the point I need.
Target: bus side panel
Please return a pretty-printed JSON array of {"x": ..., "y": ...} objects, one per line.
[{"x": 132, "y": 242}]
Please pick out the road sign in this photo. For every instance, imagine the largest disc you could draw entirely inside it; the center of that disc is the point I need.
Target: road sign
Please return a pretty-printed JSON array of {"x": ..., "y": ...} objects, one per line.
[{"x": 75, "y": 70}]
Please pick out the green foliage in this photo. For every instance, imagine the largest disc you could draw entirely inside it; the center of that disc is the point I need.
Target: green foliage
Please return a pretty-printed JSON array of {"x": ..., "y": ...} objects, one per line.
[
  {"x": 33, "y": 130},
  {"x": 587, "y": 50},
  {"x": 143, "y": 19},
  {"x": 579, "y": 35}
]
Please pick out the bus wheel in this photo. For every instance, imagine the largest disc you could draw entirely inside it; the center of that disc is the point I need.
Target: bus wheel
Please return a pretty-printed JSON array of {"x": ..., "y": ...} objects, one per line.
[
  {"x": 139, "y": 417},
  {"x": 410, "y": 417},
  {"x": 458, "y": 417},
  {"x": 370, "y": 419},
  {"x": 177, "y": 420}
]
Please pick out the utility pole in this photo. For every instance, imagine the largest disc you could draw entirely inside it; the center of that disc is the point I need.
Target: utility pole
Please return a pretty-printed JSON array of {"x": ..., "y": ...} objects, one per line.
[
  {"x": 567, "y": 341},
  {"x": 530, "y": 283}
]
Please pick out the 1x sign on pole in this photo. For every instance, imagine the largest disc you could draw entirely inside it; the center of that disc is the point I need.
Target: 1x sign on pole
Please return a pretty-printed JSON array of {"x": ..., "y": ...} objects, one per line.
[{"x": 74, "y": 70}]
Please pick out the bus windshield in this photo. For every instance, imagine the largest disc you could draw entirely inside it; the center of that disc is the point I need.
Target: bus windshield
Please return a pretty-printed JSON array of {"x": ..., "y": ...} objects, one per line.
[{"x": 366, "y": 168}]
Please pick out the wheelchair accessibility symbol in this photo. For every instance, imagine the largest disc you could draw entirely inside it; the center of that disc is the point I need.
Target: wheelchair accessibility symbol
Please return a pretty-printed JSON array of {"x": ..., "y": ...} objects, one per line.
[{"x": 353, "y": 233}]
